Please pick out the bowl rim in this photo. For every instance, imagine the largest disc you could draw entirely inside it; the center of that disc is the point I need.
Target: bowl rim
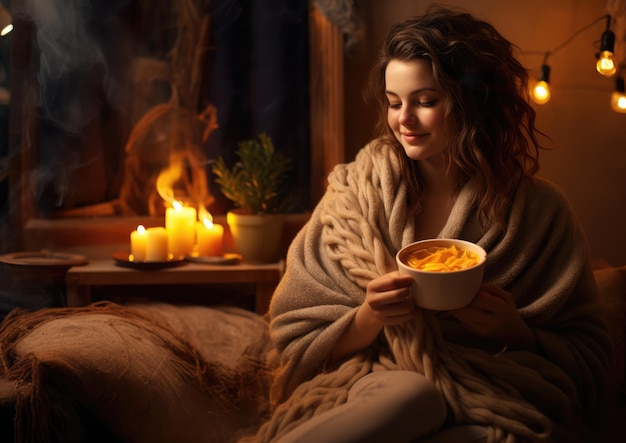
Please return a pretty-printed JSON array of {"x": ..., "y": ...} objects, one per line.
[{"x": 481, "y": 253}]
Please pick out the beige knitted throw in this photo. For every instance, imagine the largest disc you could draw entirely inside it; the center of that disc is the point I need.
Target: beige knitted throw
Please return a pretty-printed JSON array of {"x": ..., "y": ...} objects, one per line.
[{"x": 353, "y": 236}]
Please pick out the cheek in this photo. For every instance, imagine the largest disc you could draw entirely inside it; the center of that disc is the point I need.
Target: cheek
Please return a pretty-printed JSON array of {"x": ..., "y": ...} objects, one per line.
[
  {"x": 434, "y": 119},
  {"x": 392, "y": 121}
]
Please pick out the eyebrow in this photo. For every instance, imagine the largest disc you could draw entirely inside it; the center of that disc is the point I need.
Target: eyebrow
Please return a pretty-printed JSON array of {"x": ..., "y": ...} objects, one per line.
[{"x": 417, "y": 91}]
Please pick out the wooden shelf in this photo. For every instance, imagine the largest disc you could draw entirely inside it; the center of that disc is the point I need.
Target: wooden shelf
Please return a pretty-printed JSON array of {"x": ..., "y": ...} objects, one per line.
[{"x": 80, "y": 280}]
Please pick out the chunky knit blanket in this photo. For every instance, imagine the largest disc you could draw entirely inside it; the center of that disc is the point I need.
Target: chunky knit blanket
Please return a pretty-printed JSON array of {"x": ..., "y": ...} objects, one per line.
[{"x": 353, "y": 236}]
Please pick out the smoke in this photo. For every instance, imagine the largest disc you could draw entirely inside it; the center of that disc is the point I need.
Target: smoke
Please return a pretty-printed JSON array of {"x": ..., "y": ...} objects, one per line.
[
  {"x": 68, "y": 50},
  {"x": 74, "y": 80}
]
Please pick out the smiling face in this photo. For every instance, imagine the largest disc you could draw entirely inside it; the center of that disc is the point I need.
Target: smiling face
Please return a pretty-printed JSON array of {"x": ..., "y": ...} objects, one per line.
[{"x": 416, "y": 112}]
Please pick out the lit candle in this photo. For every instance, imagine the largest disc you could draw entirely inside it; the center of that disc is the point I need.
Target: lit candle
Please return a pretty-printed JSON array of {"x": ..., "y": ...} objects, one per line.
[
  {"x": 156, "y": 244},
  {"x": 209, "y": 238},
  {"x": 138, "y": 242},
  {"x": 180, "y": 223}
]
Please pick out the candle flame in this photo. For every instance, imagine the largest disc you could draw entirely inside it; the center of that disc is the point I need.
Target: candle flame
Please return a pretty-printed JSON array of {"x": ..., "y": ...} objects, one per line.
[
  {"x": 141, "y": 229},
  {"x": 178, "y": 206},
  {"x": 206, "y": 217},
  {"x": 168, "y": 177}
]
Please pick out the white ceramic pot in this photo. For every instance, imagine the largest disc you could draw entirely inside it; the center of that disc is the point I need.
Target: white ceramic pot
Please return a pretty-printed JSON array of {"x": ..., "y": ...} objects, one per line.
[{"x": 257, "y": 237}]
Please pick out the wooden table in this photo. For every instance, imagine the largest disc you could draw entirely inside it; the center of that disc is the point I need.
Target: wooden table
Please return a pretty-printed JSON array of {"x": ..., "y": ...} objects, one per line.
[{"x": 104, "y": 272}]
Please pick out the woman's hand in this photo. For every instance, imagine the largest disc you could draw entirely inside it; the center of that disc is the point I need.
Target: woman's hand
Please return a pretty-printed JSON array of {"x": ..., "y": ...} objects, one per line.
[
  {"x": 493, "y": 314},
  {"x": 388, "y": 299}
]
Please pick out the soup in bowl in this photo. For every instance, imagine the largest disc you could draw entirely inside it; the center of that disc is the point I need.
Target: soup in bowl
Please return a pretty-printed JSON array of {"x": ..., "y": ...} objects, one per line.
[{"x": 446, "y": 272}]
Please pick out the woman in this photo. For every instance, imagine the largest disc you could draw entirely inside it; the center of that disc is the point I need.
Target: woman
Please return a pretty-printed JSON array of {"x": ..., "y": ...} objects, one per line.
[{"x": 455, "y": 156}]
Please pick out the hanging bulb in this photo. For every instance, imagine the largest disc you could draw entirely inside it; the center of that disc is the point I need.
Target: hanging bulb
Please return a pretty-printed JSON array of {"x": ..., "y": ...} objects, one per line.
[
  {"x": 605, "y": 64},
  {"x": 618, "y": 98},
  {"x": 618, "y": 102},
  {"x": 541, "y": 90}
]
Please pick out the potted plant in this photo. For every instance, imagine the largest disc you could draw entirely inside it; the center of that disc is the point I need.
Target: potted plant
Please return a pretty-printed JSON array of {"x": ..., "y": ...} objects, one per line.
[{"x": 253, "y": 184}]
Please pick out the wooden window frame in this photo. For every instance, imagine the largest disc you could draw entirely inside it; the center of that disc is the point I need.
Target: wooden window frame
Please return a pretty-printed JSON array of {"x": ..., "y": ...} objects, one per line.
[{"x": 326, "y": 117}]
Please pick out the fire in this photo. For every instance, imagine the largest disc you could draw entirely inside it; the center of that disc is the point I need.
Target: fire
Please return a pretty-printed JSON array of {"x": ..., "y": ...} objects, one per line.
[
  {"x": 168, "y": 178},
  {"x": 206, "y": 217},
  {"x": 165, "y": 160}
]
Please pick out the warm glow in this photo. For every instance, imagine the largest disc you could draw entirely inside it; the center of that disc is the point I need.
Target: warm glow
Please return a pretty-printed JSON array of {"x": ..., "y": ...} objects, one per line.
[
  {"x": 541, "y": 92},
  {"x": 157, "y": 245},
  {"x": 209, "y": 236},
  {"x": 618, "y": 102},
  {"x": 180, "y": 222},
  {"x": 138, "y": 244},
  {"x": 605, "y": 64},
  {"x": 166, "y": 180},
  {"x": 206, "y": 217}
]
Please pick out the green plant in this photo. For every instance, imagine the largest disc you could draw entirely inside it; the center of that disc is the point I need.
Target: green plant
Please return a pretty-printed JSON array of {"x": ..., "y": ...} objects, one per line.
[{"x": 254, "y": 181}]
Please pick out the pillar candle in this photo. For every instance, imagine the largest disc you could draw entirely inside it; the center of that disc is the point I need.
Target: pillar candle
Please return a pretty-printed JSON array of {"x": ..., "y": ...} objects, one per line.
[
  {"x": 209, "y": 237},
  {"x": 180, "y": 223},
  {"x": 138, "y": 242},
  {"x": 157, "y": 244}
]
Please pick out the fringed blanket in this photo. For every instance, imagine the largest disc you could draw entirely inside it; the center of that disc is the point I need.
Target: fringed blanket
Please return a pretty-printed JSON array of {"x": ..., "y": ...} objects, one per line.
[
  {"x": 353, "y": 236},
  {"x": 147, "y": 373}
]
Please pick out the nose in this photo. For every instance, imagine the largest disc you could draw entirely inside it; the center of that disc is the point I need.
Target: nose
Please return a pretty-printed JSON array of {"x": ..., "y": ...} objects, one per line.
[{"x": 407, "y": 116}]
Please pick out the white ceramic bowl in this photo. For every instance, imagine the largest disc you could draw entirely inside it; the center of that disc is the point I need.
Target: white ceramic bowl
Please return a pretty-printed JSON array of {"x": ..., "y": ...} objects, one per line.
[{"x": 443, "y": 290}]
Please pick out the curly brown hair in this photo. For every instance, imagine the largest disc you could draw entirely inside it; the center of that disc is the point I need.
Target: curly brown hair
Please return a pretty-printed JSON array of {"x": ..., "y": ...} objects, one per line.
[{"x": 495, "y": 141}]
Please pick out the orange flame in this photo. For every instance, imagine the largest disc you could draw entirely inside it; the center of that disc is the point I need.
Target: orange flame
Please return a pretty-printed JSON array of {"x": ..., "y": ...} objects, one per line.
[
  {"x": 205, "y": 216},
  {"x": 168, "y": 177}
]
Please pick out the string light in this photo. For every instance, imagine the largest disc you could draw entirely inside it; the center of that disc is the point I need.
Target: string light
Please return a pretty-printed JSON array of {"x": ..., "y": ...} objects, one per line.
[
  {"x": 618, "y": 98},
  {"x": 605, "y": 65},
  {"x": 540, "y": 92}
]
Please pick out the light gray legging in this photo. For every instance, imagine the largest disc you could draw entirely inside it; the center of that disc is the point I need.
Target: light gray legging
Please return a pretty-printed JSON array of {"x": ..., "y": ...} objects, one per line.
[{"x": 384, "y": 406}]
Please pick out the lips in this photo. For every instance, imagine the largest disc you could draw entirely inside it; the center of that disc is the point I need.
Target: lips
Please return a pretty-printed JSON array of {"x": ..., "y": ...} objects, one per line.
[{"x": 411, "y": 137}]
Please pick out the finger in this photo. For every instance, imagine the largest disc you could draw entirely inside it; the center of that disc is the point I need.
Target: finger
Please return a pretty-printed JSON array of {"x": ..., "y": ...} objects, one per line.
[
  {"x": 395, "y": 296},
  {"x": 499, "y": 293},
  {"x": 492, "y": 299},
  {"x": 483, "y": 302},
  {"x": 389, "y": 282}
]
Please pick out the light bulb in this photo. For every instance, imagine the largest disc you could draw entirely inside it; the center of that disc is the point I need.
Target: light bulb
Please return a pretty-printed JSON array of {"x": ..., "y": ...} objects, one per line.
[
  {"x": 541, "y": 92},
  {"x": 605, "y": 64},
  {"x": 618, "y": 98},
  {"x": 618, "y": 102}
]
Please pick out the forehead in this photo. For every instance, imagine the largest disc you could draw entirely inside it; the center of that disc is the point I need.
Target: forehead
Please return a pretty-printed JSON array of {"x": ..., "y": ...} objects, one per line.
[{"x": 414, "y": 74}]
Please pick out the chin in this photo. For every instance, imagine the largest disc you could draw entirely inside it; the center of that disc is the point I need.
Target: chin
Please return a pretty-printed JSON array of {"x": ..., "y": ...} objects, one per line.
[
  {"x": 421, "y": 153},
  {"x": 415, "y": 152}
]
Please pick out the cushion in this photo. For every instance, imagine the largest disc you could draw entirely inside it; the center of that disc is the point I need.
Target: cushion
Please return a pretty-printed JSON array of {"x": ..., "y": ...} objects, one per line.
[{"x": 150, "y": 373}]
